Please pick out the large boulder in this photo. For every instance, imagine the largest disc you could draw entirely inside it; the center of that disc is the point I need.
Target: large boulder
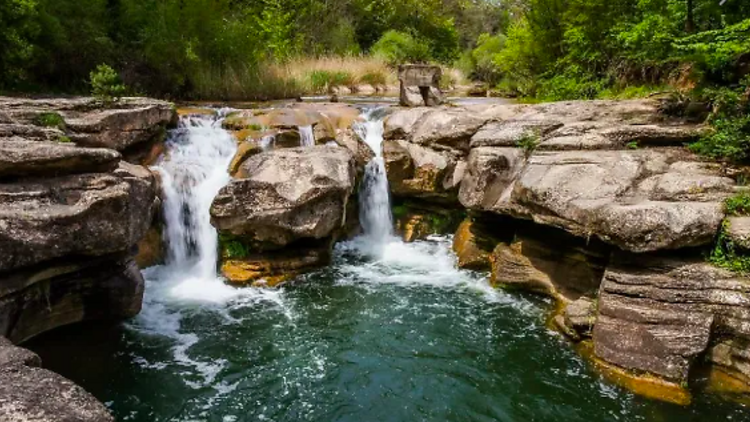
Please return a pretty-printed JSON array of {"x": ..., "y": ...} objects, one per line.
[
  {"x": 420, "y": 172},
  {"x": 635, "y": 200},
  {"x": 287, "y": 195}
]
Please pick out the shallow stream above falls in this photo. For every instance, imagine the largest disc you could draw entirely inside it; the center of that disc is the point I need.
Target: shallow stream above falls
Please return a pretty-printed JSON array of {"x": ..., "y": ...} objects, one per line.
[{"x": 389, "y": 332}]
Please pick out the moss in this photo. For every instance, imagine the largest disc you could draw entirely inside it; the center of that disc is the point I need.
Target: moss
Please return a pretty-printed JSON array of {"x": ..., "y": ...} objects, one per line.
[
  {"x": 632, "y": 145},
  {"x": 50, "y": 119},
  {"x": 231, "y": 247},
  {"x": 256, "y": 127},
  {"x": 64, "y": 139}
]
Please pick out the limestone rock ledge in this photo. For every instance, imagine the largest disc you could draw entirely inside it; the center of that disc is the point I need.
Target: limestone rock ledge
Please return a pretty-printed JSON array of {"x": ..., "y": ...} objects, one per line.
[
  {"x": 72, "y": 212},
  {"x": 600, "y": 205}
]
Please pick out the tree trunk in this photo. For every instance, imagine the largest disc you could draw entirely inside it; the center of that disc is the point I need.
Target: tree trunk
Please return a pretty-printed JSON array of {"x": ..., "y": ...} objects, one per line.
[{"x": 690, "y": 20}]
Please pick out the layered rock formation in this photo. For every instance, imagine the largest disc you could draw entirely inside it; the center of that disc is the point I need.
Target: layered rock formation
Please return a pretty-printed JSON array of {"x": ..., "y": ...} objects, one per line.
[
  {"x": 71, "y": 214},
  {"x": 598, "y": 204},
  {"x": 287, "y": 204}
]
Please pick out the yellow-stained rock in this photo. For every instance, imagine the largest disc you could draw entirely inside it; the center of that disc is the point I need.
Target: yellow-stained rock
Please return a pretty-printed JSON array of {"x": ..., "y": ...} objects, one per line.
[
  {"x": 187, "y": 111},
  {"x": 642, "y": 384},
  {"x": 244, "y": 151},
  {"x": 272, "y": 269},
  {"x": 470, "y": 254}
]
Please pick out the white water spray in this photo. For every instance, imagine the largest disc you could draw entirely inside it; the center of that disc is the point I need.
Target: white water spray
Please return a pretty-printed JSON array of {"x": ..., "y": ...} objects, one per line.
[
  {"x": 307, "y": 136},
  {"x": 193, "y": 172},
  {"x": 374, "y": 198}
]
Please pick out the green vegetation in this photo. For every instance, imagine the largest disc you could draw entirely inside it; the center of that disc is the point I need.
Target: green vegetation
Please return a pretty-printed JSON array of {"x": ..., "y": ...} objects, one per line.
[
  {"x": 738, "y": 204},
  {"x": 230, "y": 247},
  {"x": 727, "y": 255},
  {"x": 633, "y": 145},
  {"x": 105, "y": 84},
  {"x": 225, "y": 49},
  {"x": 50, "y": 119},
  {"x": 528, "y": 144},
  {"x": 64, "y": 140}
]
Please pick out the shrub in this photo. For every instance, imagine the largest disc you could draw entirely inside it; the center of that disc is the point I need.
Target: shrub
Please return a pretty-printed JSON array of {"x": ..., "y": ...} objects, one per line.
[
  {"x": 528, "y": 144},
  {"x": 232, "y": 248},
  {"x": 105, "y": 84},
  {"x": 396, "y": 47},
  {"x": 50, "y": 119},
  {"x": 322, "y": 80}
]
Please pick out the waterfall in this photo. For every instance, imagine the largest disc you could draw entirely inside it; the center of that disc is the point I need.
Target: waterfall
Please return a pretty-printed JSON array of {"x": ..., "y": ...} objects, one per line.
[
  {"x": 307, "y": 137},
  {"x": 193, "y": 171},
  {"x": 374, "y": 197}
]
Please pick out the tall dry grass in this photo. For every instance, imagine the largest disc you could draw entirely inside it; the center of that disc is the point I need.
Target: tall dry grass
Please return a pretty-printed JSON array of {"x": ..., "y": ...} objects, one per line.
[{"x": 293, "y": 78}]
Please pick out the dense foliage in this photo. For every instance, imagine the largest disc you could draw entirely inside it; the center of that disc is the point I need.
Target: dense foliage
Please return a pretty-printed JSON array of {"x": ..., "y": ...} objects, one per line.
[{"x": 178, "y": 47}]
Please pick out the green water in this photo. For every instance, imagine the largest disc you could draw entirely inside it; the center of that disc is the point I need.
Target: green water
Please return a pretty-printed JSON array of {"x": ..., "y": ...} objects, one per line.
[{"x": 394, "y": 335}]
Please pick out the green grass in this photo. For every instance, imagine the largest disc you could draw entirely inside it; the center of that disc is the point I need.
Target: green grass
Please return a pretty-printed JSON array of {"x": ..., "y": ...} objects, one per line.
[
  {"x": 323, "y": 80},
  {"x": 738, "y": 204},
  {"x": 632, "y": 145},
  {"x": 528, "y": 144},
  {"x": 50, "y": 119}
]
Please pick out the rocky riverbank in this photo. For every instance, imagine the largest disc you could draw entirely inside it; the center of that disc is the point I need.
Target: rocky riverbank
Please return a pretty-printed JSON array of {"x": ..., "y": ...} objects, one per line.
[
  {"x": 600, "y": 205},
  {"x": 74, "y": 203}
]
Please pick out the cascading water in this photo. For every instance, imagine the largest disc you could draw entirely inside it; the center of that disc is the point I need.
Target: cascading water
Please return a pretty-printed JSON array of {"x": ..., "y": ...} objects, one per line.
[
  {"x": 374, "y": 198},
  {"x": 307, "y": 136},
  {"x": 193, "y": 172}
]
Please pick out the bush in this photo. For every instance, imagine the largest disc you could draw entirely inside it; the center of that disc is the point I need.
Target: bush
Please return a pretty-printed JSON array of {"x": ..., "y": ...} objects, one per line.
[
  {"x": 323, "y": 80},
  {"x": 50, "y": 119},
  {"x": 396, "y": 47},
  {"x": 105, "y": 84},
  {"x": 481, "y": 63},
  {"x": 730, "y": 118}
]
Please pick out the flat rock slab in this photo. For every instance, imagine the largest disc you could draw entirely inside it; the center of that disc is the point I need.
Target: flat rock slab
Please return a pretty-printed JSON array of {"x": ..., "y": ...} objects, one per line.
[{"x": 22, "y": 158}]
